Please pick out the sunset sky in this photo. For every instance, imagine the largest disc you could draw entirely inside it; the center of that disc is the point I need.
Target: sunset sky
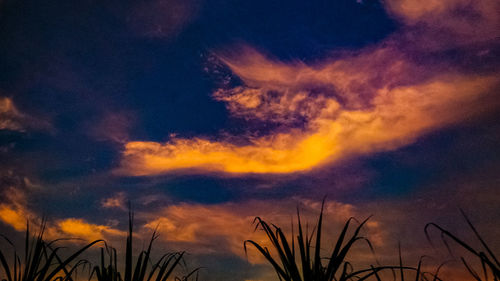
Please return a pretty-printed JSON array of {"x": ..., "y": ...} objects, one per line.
[{"x": 206, "y": 113}]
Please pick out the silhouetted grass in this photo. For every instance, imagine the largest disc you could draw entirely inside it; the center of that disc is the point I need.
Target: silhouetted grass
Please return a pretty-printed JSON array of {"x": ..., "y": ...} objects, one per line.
[
  {"x": 143, "y": 269},
  {"x": 41, "y": 260},
  {"x": 489, "y": 263},
  {"x": 307, "y": 264}
]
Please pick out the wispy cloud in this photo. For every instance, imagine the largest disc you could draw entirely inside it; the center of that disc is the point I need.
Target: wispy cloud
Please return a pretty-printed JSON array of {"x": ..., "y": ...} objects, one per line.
[
  {"x": 11, "y": 118},
  {"x": 372, "y": 100},
  {"x": 344, "y": 115},
  {"x": 116, "y": 201},
  {"x": 448, "y": 23}
]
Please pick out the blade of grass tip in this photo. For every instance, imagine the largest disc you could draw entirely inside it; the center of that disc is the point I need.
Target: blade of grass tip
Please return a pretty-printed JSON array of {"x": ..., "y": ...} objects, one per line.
[
  {"x": 372, "y": 249},
  {"x": 479, "y": 237}
]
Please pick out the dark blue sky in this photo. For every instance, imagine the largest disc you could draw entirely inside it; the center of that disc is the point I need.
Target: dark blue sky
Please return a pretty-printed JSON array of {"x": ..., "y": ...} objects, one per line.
[{"x": 82, "y": 80}]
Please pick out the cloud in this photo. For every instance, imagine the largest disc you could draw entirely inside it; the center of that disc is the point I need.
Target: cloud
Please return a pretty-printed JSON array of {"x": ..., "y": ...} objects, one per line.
[
  {"x": 448, "y": 23},
  {"x": 13, "y": 203},
  {"x": 16, "y": 212},
  {"x": 376, "y": 99},
  {"x": 397, "y": 116},
  {"x": 222, "y": 228},
  {"x": 112, "y": 126},
  {"x": 80, "y": 228},
  {"x": 14, "y": 120},
  {"x": 116, "y": 201}
]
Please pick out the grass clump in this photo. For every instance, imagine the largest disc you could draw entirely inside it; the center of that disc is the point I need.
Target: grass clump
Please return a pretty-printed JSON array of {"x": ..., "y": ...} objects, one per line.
[
  {"x": 41, "y": 261},
  {"x": 489, "y": 262},
  {"x": 143, "y": 269},
  {"x": 306, "y": 263}
]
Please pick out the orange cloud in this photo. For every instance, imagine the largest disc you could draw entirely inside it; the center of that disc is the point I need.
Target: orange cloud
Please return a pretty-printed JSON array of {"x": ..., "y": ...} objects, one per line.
[
  {"x": 13, "y": 209},
  {"x": 82, "y": 229},
  {"x": 454, "y": 22},
  {"x": 396, "y": 116},
  {"x": 13, "y": 119},
  {"x": 13, "y": 217},
  {"x": 10, "y": 117},
  {"x": 222, "y": 228},
  {"x": 15, "y": 213},
  {"x": 116, "y": 201},
  {"x": 364, "y": 102}
]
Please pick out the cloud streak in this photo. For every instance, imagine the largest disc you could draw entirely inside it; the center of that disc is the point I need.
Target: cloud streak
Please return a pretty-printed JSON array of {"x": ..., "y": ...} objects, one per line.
[
  {"x": 373, "y": 100},
  {"x": 11, "y": 118}
]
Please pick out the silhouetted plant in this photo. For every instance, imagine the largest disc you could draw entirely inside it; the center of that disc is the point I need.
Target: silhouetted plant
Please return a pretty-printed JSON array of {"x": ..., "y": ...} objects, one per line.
[
  {"x": 143, "y": 269},
  {"x": 307, "y": 264},
  {"x": 488, "y": 260},
  {"x": 41, "y": 260}
]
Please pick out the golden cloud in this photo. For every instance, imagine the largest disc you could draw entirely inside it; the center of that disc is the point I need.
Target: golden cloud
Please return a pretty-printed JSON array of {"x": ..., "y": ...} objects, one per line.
[
  {"x": 15, "y": 213},
  {"x": 373, "y": 100},
  {"x": 397, "y": 116},
  {"x": 80, "y": 228},
  {"x": 222, "y": 228}
]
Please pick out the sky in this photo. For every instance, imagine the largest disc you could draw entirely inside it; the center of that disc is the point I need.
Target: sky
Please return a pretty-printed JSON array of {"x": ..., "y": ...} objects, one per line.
[{"x": 204, "y": 114}]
